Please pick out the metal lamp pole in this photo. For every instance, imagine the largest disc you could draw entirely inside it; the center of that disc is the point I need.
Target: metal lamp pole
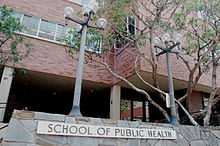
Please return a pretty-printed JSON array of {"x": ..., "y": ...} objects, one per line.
[
  {"x": 167, "y": 51},
  {"x": 173, "y": 118},
  {"x": 75, "y": 111},
  {"x": 101, "y": 24}
]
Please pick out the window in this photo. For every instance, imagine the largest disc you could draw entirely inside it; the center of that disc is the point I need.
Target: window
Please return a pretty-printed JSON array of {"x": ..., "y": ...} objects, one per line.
[
  {"x": 131, "y": 25},
  {"x": 137, "y": 110},
  {"x": 47, "y": 29},
  {"x": 125, "y": 109},
  {"x": 130, "y": 31},
  {"x": 56, "y": 32},
  {"x": 134, "y": 110},
  {"x": 60, "y": 33},
  {"x": 93, "y": 42},
  {"x": 18, "y": 16},
  {"x": 30, "y": 25},
  {"x": 101, "y": 3}
]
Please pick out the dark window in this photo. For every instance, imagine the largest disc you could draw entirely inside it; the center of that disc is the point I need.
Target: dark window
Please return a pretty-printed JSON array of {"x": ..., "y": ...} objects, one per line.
[
  {"x": 131, "y": 25},
  {"x": 134, "y": 110},
  {"x": 130, "y": 31}
]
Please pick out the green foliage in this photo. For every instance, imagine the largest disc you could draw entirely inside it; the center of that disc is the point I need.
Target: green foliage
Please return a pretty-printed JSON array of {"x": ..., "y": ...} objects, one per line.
[
  {"x": 200, "y": 21},
  {"x": 191, "y": 46},
  {"x": 124, "y": 104},
  {"x": 72, "y": 39},
  {"x": 95, "y": 37},
  {"x": 9, "y": 25},
  {"x": 180, "y": 20},
  {"x": 117, "y": 13}
]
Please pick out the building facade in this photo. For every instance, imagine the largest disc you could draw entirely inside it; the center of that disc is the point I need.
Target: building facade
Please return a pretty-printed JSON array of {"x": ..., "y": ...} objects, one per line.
[{"x": 44, "y": 80}]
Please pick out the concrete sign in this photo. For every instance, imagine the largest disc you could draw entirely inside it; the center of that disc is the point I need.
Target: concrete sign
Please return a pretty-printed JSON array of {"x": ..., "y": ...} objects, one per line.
[{"x": 64, "y": 129}]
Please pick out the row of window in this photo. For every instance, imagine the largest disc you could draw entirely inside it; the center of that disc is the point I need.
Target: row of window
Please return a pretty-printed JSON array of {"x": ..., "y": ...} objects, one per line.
[
  {"x": 51, "y": 31},
  {"x": 56, "y": 32},
  {"x": 41, "y": 28}
]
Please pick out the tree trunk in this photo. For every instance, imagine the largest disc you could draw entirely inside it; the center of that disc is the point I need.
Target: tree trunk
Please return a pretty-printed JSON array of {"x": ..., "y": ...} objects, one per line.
[
  {"x": 189, "y": 89},
  {"x": 206, "y": 121}
]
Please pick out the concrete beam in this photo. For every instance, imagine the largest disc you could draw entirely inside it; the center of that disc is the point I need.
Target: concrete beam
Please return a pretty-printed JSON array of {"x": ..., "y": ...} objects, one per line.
[
  {"x": 115, "y": 102},
  {"x": 5, "y": 87}
]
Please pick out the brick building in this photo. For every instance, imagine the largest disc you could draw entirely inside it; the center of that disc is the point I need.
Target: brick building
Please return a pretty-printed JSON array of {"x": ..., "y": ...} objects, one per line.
[{"x": 44, "y": 81}]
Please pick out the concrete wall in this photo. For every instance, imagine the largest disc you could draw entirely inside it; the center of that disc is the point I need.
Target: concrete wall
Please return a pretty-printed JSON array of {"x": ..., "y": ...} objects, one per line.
[{"x": 26, "y": 123}]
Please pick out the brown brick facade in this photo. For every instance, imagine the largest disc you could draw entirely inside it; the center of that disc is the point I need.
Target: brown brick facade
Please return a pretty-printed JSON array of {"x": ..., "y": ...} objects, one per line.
[{"x": 52, "y": 58}]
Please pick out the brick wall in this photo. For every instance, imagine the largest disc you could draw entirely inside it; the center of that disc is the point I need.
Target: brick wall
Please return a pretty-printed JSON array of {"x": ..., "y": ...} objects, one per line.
[
  {"x": 48, "y": 9},
  {"x": 195, "y": 103},
  {"x": 49, "y": 57},
  {"x": 179, "y": 69},
  {"x": 45, "y": 58}
]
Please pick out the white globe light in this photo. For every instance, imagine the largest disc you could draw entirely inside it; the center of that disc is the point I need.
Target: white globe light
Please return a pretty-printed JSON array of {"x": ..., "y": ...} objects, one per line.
[
  {"x": 156, "y": 41},
  {"x": 166, "y": 37},
  {"x": 78, "y": 27},
  {"x": 68, "y": 12},
  {"x": 178, "y": 37},
  {"x": 102, "y": 23}
]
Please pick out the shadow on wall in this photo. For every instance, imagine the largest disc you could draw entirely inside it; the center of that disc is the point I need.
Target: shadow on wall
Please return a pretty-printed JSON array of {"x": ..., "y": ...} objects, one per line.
[{"x": 24, "y": 96}]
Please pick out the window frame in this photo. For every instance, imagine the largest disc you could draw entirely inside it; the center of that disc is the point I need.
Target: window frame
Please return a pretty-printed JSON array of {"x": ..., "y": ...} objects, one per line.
[
  {"x": 27, "y": 30},
  {"x": 128, "y": 23},
  {"x": 55, "y": 39},
  {"x": 43, "y": 32}
]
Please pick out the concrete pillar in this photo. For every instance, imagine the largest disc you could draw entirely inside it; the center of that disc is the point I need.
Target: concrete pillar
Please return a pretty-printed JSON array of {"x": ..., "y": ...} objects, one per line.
[
  {"x": 115, "y": 102},
  {"x": 5, "y": 86}
]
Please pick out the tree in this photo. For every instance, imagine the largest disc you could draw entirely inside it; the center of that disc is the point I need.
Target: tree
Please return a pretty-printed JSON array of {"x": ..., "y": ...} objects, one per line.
[
  {"x": 118, "y": 32},
  {"x": 9, "y": 39},
  {"x": 168, "y": 16},
  {"x": 199, "y": 21},
  {"x": 155, "y": 19}
]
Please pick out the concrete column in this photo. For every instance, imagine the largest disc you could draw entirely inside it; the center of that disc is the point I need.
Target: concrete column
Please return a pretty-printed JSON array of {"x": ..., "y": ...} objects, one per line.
[
  {"x": 5, "y": 86},
  {"x": 115, "y": 102}
]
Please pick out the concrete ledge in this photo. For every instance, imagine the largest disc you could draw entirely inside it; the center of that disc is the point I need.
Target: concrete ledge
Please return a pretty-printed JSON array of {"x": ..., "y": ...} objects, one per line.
[{"x": 23, "y": 125}]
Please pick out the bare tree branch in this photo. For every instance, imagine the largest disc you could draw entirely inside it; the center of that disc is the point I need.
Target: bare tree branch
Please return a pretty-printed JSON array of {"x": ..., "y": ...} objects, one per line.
[
  {"x": 138, "y": 90},
  {"x": 184, "y": 61},
  {"x": 187, "y": 113},
  {"x": 164, "y": 93}
]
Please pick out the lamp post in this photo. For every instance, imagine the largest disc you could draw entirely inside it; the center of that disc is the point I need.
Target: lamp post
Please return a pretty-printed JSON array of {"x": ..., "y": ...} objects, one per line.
[
  {"x": 167, "y": 48},
  {"x": 89, "y": 11}
]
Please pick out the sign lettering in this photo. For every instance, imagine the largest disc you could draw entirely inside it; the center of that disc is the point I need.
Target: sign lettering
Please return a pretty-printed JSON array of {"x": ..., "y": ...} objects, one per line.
[{"x": 64, "y": 129}]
